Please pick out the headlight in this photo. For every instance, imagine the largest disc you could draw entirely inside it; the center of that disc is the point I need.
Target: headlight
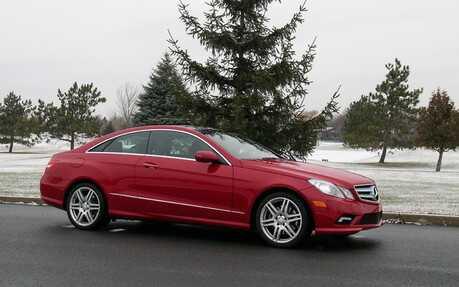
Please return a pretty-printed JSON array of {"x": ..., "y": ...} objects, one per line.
[
  {"x": 347, "y": 192},
  {"x": 332, "y": 189}
]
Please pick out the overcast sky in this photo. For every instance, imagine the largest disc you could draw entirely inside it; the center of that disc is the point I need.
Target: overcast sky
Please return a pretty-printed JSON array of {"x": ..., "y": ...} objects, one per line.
[{"x": 49, "y": 44}]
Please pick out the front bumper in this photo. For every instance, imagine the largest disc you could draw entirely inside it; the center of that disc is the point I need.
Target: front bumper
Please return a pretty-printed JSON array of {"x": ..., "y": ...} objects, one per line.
[
  {"x": 363, "y": 222},
  {"x": 334, "y": 216}
]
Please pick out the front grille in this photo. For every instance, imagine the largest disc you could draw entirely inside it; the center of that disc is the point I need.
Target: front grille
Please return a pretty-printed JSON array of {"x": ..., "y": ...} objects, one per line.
[
  {"x": 371, "y": 218},
  {"x": 367, "y": 192}
]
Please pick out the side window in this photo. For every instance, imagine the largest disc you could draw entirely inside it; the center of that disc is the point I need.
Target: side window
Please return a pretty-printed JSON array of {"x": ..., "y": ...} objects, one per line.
[
  {"x": 130, "y": 143},
  {"x": 101, "y": 147},
  {"x": 175, "y": 144}
]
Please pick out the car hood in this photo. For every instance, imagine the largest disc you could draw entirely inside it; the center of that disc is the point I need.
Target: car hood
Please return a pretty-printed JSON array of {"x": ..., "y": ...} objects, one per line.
[{"x": 307, "y": 171}]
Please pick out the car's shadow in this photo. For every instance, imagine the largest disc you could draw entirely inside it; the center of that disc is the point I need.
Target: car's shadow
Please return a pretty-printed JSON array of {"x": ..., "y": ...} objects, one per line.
[{"x": 217, "y": 236}]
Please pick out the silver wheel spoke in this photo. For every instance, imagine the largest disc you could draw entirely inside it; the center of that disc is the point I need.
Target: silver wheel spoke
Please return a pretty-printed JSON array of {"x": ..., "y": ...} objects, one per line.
[
  {"x": 284, "y": 207},
  {"x": 89, "y": 217},
  {"x": 276, "y": 233},
  {"x": 268, "y": 222},
  {"x": 80, "y": 216},
  {"x": 290, "y": 231},
  {"x": 294, "y": 217},
  {"x": 89, "y": 195},
  {"x": 271, "y": 208},
  {"x": 80, "y": 195},
  {"x": 94, "y": 207}
]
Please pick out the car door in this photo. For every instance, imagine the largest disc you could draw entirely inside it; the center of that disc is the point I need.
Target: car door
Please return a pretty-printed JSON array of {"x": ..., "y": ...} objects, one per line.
[
  {"x": 113, "y": 163},
  {"x": 171, "y": 182}
]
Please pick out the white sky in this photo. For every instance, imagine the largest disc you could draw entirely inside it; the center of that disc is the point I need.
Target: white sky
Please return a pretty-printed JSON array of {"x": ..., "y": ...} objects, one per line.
[{"x": 49, "y": 44}]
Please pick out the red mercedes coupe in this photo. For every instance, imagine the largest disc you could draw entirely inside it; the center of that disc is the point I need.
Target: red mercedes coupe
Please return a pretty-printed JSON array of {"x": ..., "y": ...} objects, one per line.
[{"x": 206, "y": 176}]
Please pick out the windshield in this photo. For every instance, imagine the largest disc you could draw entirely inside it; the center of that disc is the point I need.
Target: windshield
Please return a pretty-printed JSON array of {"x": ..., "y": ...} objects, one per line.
[{"x": 239, "y": 147}]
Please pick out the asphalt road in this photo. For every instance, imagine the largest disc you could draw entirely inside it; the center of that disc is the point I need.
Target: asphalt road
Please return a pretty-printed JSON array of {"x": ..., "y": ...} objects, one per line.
[{"x": 38, "y": 247}]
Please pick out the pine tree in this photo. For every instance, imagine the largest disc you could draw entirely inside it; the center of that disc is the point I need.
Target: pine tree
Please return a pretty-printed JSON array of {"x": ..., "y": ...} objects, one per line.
[
  {"x": 362, "y": 128},
  {"x": 74, "y": 118},
  {"x": 438, "y": 126},
  {"x": 384, "y": 119},
  {"x": 17, "y": 124},
  {"x": 253, "y": 84},
  {"x": 157, "y": 104}
]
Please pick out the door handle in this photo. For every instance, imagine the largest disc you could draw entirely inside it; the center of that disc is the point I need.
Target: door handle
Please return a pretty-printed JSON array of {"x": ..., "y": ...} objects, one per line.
[{"x": 150, "y": 165}]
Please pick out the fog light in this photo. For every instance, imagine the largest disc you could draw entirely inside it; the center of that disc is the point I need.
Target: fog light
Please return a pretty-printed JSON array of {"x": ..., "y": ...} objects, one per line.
[{"x": 345, "y": 219}]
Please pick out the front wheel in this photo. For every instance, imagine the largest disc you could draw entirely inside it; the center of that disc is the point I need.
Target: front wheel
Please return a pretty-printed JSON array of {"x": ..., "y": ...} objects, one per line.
[
  {"x": 86, "y": 207},
  {"x": 282, "y": 220}
]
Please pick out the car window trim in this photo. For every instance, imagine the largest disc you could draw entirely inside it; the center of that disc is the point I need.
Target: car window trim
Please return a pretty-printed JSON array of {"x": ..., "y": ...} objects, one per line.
[{"x": 150, "y": 131}]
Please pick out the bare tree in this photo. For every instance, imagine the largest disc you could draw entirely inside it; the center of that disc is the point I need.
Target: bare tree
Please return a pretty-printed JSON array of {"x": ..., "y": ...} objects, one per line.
[{"x": 126, "y": 100}]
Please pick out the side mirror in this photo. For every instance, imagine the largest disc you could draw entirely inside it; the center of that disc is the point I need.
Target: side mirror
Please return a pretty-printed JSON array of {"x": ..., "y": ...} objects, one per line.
[{"x": 205, "y": 156}]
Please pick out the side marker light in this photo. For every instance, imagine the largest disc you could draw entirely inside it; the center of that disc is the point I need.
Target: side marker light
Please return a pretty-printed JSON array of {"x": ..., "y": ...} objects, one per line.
[{"x": 319, "y": 203}]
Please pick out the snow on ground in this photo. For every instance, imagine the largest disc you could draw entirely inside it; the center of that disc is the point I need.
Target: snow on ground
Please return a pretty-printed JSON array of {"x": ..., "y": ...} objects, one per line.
[
  {"x": 21, "y": 170},
  {"x": 407, "y": 182}
]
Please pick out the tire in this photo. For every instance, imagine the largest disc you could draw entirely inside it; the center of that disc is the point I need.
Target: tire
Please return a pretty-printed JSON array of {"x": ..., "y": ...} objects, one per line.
[
  {"x": 282, "y": 220},
  {"x": 86, "y": 207}
]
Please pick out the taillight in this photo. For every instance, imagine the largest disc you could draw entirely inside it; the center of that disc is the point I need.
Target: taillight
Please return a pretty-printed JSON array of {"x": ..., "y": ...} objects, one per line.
[{"x": 50, "y": 165}]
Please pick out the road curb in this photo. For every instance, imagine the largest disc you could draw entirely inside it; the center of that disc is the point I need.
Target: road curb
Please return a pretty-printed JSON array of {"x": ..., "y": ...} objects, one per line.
[
  {"x": 422, "y": 219},
  {"x": 26, "y": 200}
]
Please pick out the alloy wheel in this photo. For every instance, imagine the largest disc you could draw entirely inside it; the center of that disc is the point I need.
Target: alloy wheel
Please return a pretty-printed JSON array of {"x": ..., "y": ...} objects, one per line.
[
  {"x": 281, "y": 220},
  {"x": 85, "y": 206}
]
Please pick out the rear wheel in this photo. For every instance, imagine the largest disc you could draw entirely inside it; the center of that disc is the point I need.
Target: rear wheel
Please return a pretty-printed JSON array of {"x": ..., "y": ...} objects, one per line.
[
  {"x": 282, "y": 220},
  {"x": 86, "y": 207}
]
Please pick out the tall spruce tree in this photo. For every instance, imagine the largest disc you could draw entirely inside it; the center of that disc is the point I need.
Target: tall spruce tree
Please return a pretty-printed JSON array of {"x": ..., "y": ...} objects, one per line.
[
  {"x": 252, "y": 83},
  {"x": 74, "y": 118},
  {"x": 384, "y": 119},
  {"x": 438, "y": 126},
  {"x": 157, "y": 104},
  {"x": 17, "y": 124}
]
